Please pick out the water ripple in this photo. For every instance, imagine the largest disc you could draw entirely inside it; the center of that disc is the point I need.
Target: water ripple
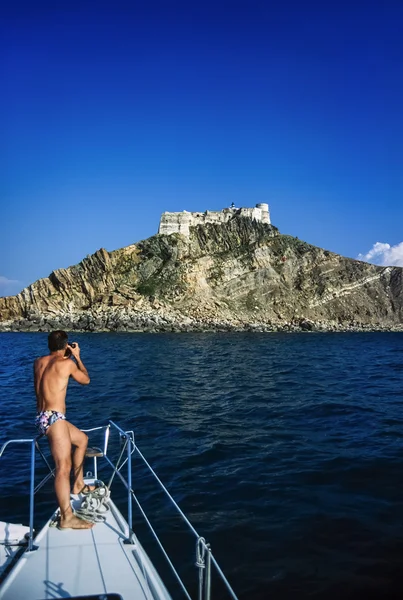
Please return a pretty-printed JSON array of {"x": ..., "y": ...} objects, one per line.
[{"x": 285, "y": 450}]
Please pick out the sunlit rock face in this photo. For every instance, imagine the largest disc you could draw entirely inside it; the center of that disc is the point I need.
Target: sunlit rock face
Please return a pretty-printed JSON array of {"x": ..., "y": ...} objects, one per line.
[{"x": 238, "y": 274}]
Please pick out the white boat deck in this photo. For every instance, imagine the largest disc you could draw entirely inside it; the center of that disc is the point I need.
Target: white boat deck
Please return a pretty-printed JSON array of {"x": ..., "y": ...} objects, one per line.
[{"x": 78, "y": 563}]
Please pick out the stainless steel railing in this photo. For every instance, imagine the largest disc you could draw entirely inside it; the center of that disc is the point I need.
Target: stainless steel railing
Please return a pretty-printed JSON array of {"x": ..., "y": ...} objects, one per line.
[
  {"x": 31, "y": 487},
  {"x": 204, "y": 556}
]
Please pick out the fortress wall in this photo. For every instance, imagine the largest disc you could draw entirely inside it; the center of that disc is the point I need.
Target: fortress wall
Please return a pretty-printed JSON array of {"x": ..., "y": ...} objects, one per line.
[
  {"x": 265, "y": 212},
  {"x": 252, "y": 213},
  {"x": 179, "y": 222},
  {"x": 211, "y": 216},
  {"x": 175, "y": 223}
]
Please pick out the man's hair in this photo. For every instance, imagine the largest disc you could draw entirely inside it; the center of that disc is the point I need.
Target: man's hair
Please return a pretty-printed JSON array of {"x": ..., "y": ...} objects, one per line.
[{"x": 57, "y": 340}]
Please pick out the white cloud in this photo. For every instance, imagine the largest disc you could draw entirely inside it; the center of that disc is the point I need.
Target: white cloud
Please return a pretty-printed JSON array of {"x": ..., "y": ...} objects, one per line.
[
  {"x": 9, "y": 287},
  {"x": 384, "y": 255}
]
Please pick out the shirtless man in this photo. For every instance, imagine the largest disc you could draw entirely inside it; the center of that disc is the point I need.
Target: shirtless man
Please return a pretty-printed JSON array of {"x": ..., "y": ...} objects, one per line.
[{"x": 51, "y": 377}]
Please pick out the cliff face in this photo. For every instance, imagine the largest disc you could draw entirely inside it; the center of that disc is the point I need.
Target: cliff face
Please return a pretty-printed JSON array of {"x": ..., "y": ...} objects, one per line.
[{"x": 234, "y": 275}]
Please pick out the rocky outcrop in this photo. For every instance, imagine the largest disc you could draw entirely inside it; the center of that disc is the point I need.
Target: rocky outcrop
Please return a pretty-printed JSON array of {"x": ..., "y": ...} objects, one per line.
[{"x": 239, "y": 275}]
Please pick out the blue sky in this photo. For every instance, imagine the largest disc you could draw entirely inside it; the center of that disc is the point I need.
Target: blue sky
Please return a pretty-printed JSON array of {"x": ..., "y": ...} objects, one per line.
[{"x": 112, "y": 113}]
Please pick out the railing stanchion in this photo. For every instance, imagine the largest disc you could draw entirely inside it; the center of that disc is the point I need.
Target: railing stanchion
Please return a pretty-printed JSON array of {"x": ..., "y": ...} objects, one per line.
[
  {"x": 31, "y": 498},
  {"x": 129, "y": 486},
  {"x": 208, "y": 574},
  {"x": 106, "y": 439}
]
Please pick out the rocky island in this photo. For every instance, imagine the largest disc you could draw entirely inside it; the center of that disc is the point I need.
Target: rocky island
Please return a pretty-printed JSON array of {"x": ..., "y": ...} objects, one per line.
[{"x": 205, "y": 272}]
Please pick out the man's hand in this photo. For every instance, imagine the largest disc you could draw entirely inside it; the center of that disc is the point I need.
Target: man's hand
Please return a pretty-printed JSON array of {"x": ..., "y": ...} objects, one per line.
[
  {"x": 75, "y": 351},
  {"x": 78, "y": 371}
]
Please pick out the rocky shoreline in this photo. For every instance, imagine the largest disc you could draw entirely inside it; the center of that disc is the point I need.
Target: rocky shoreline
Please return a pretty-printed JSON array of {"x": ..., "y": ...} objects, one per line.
[{"x": 152, "y": 322}]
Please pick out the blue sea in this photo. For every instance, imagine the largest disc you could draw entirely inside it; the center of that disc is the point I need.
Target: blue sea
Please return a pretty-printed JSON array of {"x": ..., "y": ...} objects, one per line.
[{"x": 284, "y": 450}]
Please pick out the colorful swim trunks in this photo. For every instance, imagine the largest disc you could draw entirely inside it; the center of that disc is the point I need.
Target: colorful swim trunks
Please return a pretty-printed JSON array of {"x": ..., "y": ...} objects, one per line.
[{"x": 46, "y": 418}]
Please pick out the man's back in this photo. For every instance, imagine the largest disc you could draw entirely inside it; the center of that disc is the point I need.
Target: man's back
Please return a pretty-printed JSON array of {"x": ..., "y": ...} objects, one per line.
[{"x": 51, "y": 377}]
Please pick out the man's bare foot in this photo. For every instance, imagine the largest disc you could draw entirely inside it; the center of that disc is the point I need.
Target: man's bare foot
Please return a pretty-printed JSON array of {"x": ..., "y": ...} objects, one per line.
[
  {"x": 73, "y": 522},
  {"x": 83, "y": 488}
]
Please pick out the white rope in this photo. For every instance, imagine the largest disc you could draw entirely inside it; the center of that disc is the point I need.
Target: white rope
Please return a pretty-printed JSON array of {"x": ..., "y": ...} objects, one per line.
[
  {"x": 94, "y": 505},
  {"x": 200, "y": 563}
]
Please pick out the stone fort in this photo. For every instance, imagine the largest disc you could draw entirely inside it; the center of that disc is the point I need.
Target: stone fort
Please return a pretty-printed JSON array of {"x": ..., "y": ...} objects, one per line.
[{"x": 179, "y": 222}]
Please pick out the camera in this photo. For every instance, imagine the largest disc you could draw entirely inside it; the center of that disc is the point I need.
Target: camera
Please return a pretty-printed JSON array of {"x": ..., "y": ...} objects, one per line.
[{"x": 68, "y": 353}]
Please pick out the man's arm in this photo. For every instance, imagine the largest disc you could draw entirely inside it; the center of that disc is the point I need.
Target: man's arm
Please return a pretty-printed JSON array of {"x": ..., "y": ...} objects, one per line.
[{"x": 78, "y": 371}]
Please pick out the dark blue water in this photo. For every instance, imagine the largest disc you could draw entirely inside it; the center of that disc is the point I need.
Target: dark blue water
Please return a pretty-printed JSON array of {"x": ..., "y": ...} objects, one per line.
[{"x": 285, "y": 450}]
